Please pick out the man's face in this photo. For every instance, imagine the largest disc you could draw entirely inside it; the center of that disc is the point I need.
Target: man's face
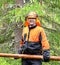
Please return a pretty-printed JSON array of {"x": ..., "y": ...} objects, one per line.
[{"x": 32, "y": 21}]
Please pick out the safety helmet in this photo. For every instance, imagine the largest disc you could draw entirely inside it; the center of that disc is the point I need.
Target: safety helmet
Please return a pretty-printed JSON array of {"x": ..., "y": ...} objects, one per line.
[{"x": 32, "y": 15}]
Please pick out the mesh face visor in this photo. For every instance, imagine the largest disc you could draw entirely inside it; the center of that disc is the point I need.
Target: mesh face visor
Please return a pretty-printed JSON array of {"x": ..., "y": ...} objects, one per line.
[{"x": 32, "y": 20}]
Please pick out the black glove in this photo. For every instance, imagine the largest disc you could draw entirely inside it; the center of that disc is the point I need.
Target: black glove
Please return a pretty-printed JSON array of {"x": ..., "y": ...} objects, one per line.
[
  {"x": 46, "y": 55},
  {"x": 22, "y": 49},
  {"x": 19, "y": 52}
]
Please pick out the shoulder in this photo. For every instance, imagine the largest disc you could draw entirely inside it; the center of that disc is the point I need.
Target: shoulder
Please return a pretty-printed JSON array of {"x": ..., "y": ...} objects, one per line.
[
  {"x": 25, "y": 29},
  {"x": 40, "y": 28}
]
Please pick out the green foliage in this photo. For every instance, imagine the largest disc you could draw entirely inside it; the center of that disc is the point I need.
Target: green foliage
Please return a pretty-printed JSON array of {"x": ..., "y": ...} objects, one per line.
[
  {"x": 6, "y": 35},
  {"x": 49, "y": 10},
  {"x": 10, "y": 61},
  {"x": 3, "y": 62}
]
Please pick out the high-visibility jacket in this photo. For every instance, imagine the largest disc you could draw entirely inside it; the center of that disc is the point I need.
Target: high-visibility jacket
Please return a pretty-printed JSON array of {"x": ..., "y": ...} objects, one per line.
[{"x": 34, "y": 37}]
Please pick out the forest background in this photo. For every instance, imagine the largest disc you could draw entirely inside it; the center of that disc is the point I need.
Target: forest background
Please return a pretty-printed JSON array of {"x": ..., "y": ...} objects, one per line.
[{"x": 12, "y": 17}]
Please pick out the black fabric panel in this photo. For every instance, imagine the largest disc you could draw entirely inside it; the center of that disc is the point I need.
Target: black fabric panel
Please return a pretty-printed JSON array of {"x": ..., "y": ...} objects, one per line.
[{"x": 33, "y": 47}]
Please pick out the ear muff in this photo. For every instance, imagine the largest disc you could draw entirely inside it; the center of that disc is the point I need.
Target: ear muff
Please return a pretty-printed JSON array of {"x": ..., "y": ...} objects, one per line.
[
  {"x": 38, "y": 22},
  {"x": 26, "y": 23}
]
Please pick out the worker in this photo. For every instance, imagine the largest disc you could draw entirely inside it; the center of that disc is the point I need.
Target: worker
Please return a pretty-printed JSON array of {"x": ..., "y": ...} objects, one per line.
[{"x": 34, "y": 40}]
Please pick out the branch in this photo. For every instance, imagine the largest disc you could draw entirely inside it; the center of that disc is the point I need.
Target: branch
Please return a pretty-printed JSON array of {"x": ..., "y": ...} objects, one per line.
[{"x": 51, "y": 29}]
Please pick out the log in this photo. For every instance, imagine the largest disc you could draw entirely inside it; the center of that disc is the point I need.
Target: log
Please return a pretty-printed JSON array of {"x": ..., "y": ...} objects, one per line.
[{"x": 54, "y": 58}]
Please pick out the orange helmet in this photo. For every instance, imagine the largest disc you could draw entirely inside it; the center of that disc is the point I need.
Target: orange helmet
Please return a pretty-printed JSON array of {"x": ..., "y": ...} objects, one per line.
[{"x": 32, "y": 15}]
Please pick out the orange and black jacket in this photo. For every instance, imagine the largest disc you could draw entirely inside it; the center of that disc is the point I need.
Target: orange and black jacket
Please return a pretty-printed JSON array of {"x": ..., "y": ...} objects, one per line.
[{"x": 35, "y": 39}]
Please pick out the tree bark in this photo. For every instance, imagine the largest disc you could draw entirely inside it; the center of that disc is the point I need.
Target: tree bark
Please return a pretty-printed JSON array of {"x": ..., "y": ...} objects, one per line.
[
  {"x": 19, "y": 3},
  {"x": 18, "y": 34}
]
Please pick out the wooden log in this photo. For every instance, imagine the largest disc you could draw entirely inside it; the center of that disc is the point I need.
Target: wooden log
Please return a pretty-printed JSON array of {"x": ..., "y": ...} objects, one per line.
[{"x": 54, "y": 58}]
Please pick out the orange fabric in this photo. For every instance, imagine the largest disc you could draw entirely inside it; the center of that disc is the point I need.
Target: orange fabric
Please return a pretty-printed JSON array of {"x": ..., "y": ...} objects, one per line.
[
  {"x": 34, "y": 36},
  {"x": 21, "y": 43},
  {"x": 44, "y": 41}
]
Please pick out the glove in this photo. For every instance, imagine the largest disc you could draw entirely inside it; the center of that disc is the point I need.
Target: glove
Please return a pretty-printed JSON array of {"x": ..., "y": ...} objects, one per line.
[
  {"x": 19, "y": 52},
  {"x": 46, "y": 55},
  {"x": 22, "y": 49}
]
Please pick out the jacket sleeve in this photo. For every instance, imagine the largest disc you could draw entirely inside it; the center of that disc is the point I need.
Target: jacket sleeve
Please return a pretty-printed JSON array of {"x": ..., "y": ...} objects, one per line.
[
  {"x": 21, "y": 42},
  {"x": 44, "y": 41}
]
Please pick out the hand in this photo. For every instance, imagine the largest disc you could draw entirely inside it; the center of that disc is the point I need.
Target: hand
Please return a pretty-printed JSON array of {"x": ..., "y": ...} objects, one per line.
[
  {"x": 20, "y": 51},
  {"x": 46, "y": 55}
]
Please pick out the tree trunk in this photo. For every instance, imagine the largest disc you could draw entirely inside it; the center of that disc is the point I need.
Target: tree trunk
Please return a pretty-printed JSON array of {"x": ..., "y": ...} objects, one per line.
[
  {"x": 18, "y": 34},
  {"x": 19, "y": 3}
]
